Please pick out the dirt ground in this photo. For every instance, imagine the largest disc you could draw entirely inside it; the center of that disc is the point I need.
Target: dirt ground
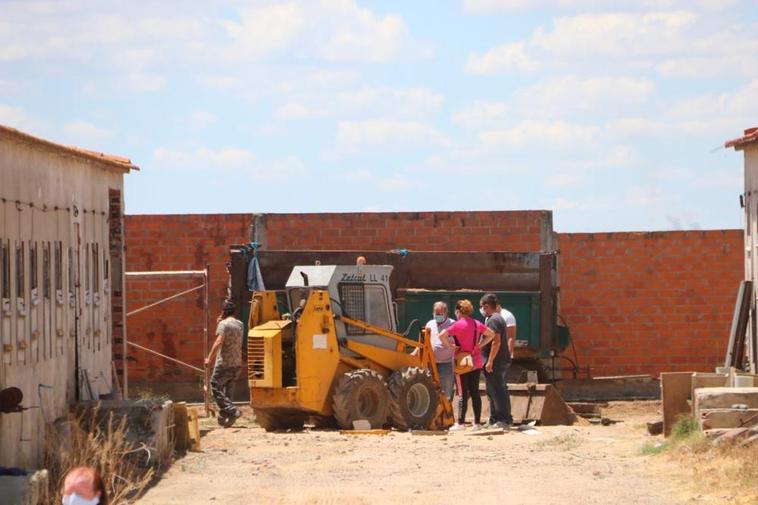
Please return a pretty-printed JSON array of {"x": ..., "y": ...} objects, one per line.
[{"x": 587, "y": 464}]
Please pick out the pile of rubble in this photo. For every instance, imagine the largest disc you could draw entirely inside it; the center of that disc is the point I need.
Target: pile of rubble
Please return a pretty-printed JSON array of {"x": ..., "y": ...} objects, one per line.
[{"x": 724, "y": 404}]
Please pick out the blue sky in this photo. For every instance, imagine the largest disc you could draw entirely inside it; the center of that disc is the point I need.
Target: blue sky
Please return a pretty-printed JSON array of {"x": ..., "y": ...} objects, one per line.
[{"x": 611, "y": 114}]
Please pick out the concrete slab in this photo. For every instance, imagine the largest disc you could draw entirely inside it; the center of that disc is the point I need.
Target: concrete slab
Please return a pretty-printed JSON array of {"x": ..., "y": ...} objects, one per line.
[
  {"x": 675, "y": 395},
  {"x": 707, "y": 380},
  {"x": 727, "y": 418},
  {"x": 724, "y": 398}
]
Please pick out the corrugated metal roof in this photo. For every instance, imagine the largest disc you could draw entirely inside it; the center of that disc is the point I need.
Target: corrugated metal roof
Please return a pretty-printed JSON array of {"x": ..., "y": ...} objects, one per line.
[
  {"x": 124, "y": 164},
  {"x": 751, "y": 136}
]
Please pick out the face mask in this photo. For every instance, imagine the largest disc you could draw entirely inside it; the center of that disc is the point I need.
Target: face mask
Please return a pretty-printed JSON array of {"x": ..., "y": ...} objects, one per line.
[
  {"x": 75, "y": 499},
  {"x": 439, "y": 318},
  {"x": 481, "y": 311}
]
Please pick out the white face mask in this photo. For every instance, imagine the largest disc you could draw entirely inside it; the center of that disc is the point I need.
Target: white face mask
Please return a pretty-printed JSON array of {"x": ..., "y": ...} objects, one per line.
[
  {"x": 75, "y": 499},
  {"x": 481, "y": 311}
]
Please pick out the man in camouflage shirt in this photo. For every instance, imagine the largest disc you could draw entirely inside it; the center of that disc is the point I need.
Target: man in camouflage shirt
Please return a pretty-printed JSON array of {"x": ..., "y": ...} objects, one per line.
[{"x": 227, "y": 353}]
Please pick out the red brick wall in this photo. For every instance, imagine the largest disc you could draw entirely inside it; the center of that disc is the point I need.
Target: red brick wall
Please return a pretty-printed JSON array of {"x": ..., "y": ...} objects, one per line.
[
  {"x": 175, "y": 328},
  {"x": 635, "y": 302},
  {"x": 188, "y": 242},
  {"x": 645, "y": 303},
  {"x": 422, "y": 231}
]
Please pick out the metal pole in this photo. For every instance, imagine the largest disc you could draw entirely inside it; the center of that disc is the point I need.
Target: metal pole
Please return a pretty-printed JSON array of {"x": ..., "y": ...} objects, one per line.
[
  {"x": 166, "y": 357},
  {"x": 164, "y": 300},
  {"x": 206, "y": 386}
]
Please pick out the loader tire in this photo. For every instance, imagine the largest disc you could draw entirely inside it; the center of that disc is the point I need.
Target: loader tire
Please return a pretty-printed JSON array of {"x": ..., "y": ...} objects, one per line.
[
  {"x": 271, "y": 420},
  {"x": 413, "y": 398},
  {"x": 361, "y": 394}
]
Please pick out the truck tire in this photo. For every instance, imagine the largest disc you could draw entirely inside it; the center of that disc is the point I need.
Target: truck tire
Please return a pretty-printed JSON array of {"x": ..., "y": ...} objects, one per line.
[
  {"x": 413, "y": 398},
  {"x": 270, "y": 420},
  {"x": 361, "y": 394}
]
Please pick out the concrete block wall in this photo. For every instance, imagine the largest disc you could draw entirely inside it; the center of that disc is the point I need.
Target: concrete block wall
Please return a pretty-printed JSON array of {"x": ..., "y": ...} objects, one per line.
[{"x": 635, "y": 302}]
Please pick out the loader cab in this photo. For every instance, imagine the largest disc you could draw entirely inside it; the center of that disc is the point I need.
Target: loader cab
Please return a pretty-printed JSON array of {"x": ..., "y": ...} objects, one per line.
[{"x": 357, "y": 291}]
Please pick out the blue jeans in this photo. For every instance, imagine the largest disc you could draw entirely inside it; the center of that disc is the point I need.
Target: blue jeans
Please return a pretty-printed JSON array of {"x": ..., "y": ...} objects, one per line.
[
  {"x": 497, "y": 393},
  {"x": 447, "y": 379}
]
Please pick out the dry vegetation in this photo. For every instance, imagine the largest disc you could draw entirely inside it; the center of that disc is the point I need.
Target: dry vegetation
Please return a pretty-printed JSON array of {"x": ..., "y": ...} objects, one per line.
[
  {"x": 82, "y": 441},
  {"x": 724, "y": 473}
]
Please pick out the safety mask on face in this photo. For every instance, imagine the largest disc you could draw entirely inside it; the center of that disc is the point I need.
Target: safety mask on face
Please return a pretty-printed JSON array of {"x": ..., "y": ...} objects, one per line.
[
  {"x": 482, "y": 312},
  {"x": 439, "y": 318},
  {"x": 75, "y": 499}
]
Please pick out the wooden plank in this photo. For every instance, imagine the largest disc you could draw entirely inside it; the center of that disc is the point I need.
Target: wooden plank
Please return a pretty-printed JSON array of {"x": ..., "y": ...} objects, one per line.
[
  {"x": 675, "y": 395},
  {"x": 735, "y": 353},
  {"x": 364, "y": 432},
  {"x": 193, "y": 427}
]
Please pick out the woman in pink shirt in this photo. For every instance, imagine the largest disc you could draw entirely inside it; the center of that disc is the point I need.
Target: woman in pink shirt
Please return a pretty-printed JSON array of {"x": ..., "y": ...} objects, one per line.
[{"x": 470, "y": 335}]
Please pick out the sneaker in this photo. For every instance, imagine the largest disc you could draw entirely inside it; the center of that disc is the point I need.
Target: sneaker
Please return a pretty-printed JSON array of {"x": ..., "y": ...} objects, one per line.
[
  {"x": 503, "y": 425},
  {"x": 456, "y": 427},
  {"x": 478, "y": 427}
]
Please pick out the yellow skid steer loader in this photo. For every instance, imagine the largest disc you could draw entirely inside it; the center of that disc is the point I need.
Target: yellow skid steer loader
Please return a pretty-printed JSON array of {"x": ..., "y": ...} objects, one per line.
[{"x": 337, "y": 358}]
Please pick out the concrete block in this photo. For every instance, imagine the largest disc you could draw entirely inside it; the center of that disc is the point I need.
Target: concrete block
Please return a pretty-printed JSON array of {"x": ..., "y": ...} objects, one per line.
[
  {"x": 724, "y": 398},
  {"x": 675, "y": 395},
  {"x": 30, "y": 489},
  {"x": 707, "y": 380},
  {"x": 727, "y": 418}
]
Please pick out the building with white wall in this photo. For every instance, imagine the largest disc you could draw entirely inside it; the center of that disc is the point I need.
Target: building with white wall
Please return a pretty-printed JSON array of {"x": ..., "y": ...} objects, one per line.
[
  {"x": 748, "y": 144},
  {"x": 61, "y": 276}
]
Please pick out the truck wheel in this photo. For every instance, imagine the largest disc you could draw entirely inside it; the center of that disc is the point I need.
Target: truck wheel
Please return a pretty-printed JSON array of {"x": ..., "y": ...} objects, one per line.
[
  {"x": 361, "y": 394},
  {"x": 270, "y": 420},
  {"x": 413, "y": 398}
]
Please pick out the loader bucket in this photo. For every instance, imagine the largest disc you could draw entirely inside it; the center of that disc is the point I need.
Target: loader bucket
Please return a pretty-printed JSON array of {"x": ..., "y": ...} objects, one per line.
[{"x": 539, "y": 402}]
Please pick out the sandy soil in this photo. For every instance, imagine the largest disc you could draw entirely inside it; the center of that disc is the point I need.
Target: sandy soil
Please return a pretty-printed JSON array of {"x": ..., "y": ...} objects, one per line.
[{"x": 566, "y": 465}]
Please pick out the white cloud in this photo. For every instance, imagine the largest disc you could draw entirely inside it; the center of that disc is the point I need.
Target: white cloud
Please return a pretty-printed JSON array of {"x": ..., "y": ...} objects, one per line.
[
  {"x": 564, "y": 180},
  {"x": 485, "y": 6},
  {"x": 228, "y": 157},
  {"x": 146, "y": 82},
  {"x": 15, "y": 117},
  {"x": 293, "y": 110},
  {"x": 481, "y": 114},
  {"x": 643, "y": 196},
  {"x": 263, "y": 30},
  {"x": 361, "y": 35},
  {"x": 411, "y": 102},
  {"x": 604, "y": 94},
  {"x": 220, "y": 82},
  {"x": 354, "y": 135},
  {"x": 547, "y": 134},
  {"x": 678, "y": 43},
  {"x": 391, "y": 183},
  {"x": 634, "y": 125},
  {"x": 200, "y": 119},
  {"x": 500, "y": 59},
  {"x": 615, "y": 34},
  {"x": 236, "y": 160},
  {"x": 85, "y": 132}
]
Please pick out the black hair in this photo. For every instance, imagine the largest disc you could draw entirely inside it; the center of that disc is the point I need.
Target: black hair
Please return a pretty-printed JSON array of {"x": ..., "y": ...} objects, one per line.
[
  {"x": 490, "y": 299},
  {"x": 228, "y": 308}
]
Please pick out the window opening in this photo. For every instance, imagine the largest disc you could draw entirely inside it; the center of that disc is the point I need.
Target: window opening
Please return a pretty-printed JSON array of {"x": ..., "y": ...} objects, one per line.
[
  {"x": 58, "y": 266},
  {"x": 46, "y": 270},
  {"x": 33, "y": 266},
  {"x": 95, "y": 268},
  {"x": 86, "y": 269},
  {"x": 71, "y": 278},
  {"x": 20, "y": 251},
  {"x": 5, "y": 264}
]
